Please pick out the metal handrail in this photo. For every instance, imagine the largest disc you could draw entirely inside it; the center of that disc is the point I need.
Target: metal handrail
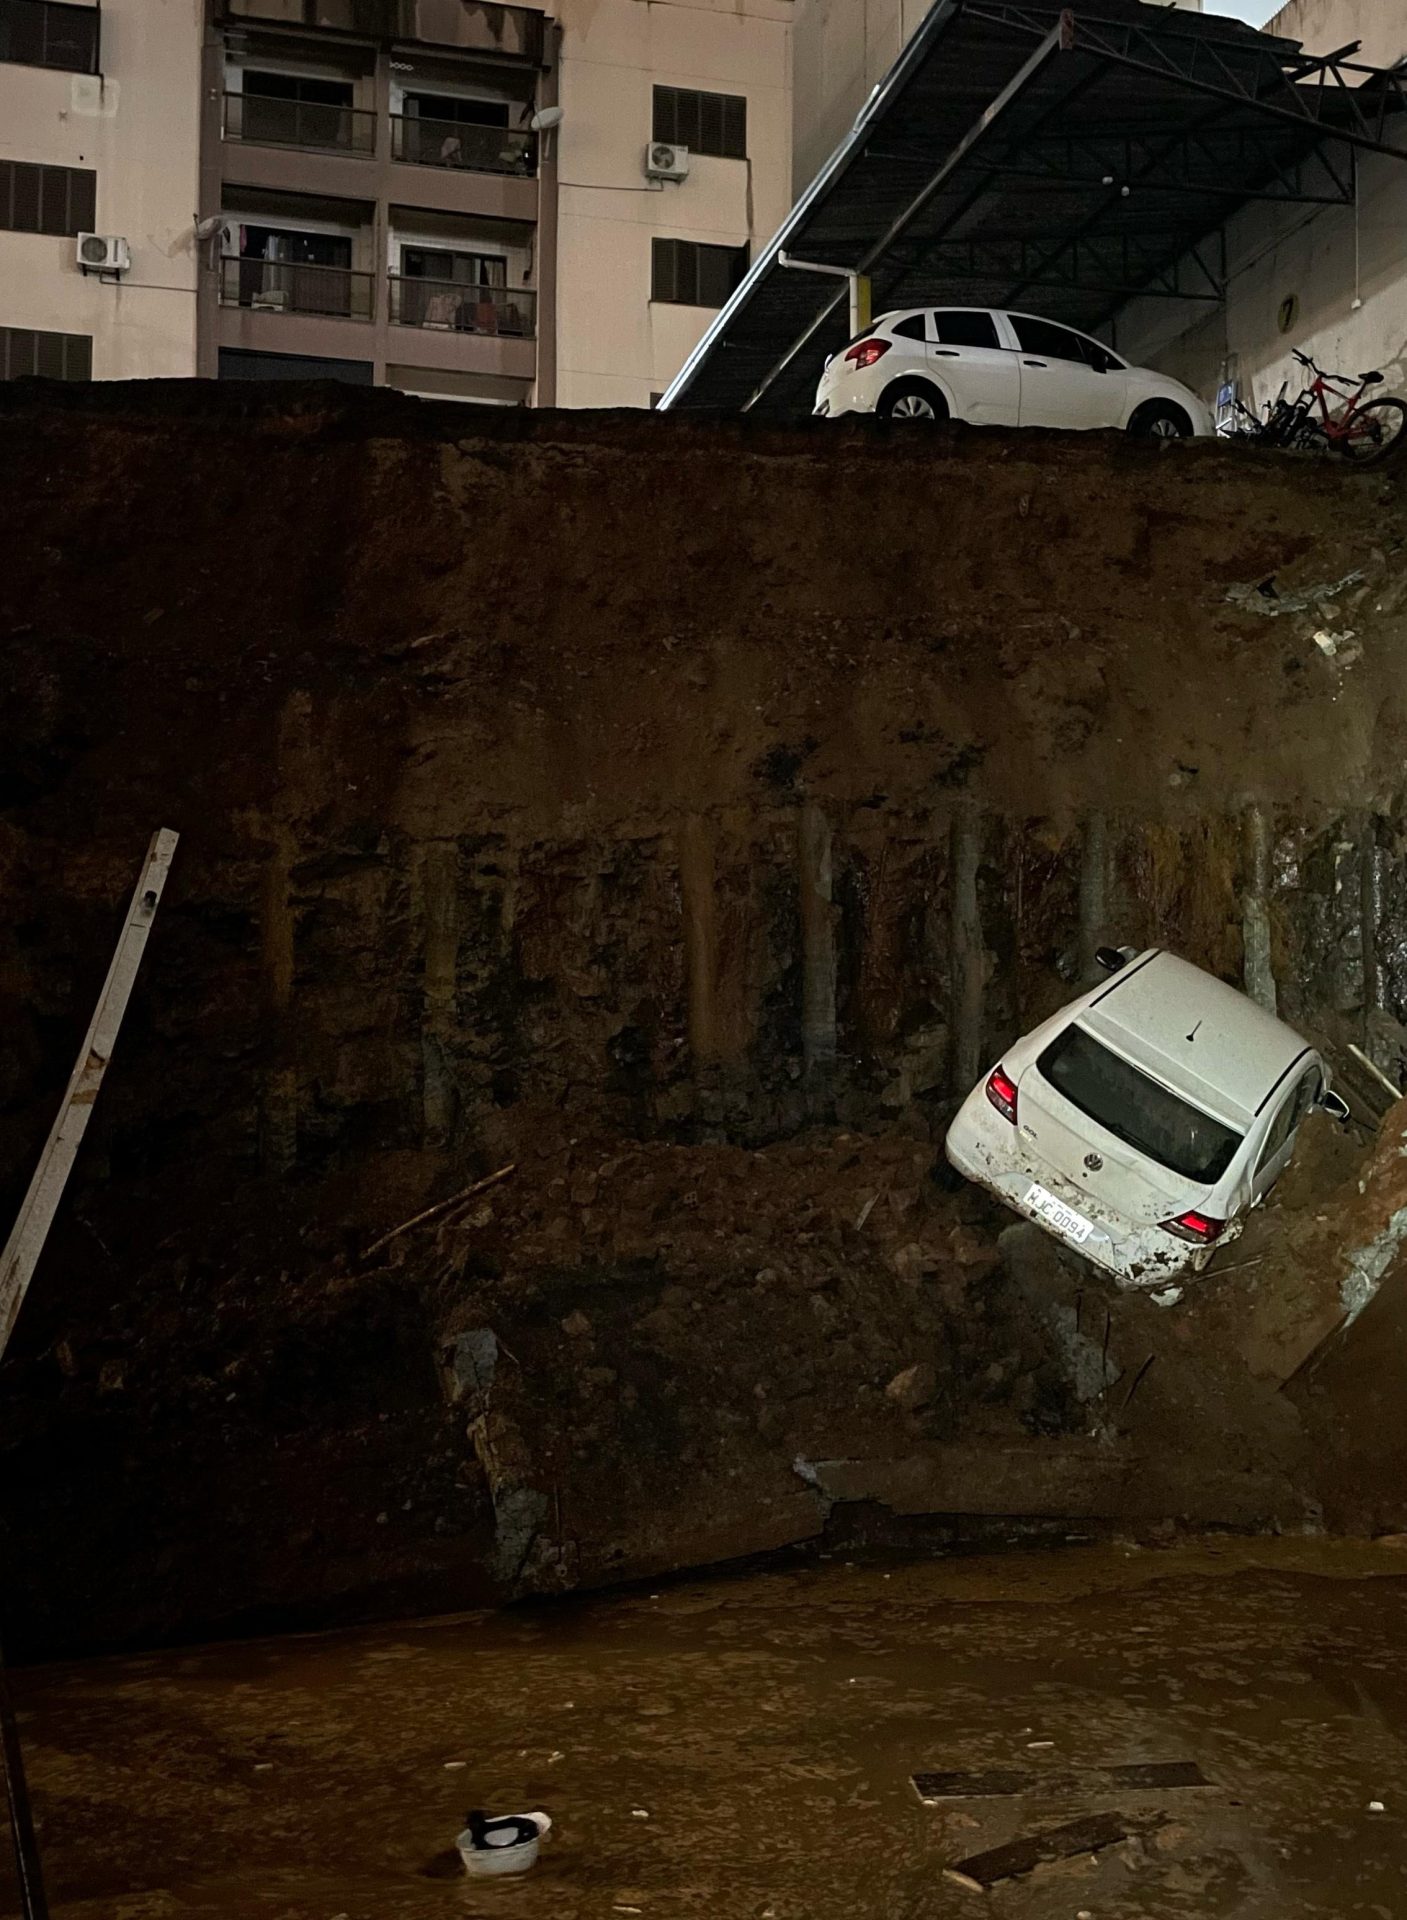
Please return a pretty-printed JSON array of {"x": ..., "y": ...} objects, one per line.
[
  {"x": 266, "y": 121},
  {"x": 449, "y": 306},
  {"x": 428, "y": 142},
  {"x": 288, "y": 286}
]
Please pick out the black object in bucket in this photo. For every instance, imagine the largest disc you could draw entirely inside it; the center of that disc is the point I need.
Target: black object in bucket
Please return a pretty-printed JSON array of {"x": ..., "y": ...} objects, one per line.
[{"x": 509, "y": 1830}]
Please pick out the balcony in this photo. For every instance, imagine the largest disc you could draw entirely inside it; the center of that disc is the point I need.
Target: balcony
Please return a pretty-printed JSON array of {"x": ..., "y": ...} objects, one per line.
[
  {"x": 278, "y": 286},
  {"x": 455, "y": 144},
  {"x": 305, "y": 125},
  {"x": 515, "y": 32},
  {"x": 448, "y": 306}
]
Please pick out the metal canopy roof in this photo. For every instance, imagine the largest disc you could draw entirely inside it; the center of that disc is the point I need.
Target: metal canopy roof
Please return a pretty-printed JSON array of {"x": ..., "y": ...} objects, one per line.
[{"x": 1057, "y": 159}]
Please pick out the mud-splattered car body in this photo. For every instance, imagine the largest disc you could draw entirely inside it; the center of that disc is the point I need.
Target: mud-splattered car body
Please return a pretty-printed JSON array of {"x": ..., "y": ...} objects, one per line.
[{"x": 1139, "y": 1123}]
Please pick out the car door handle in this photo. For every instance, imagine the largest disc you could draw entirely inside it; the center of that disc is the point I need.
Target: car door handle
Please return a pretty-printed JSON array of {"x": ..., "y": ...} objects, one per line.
[
  {"x": 948, "y": 353},
  {"x": 1035, "y": 363}
]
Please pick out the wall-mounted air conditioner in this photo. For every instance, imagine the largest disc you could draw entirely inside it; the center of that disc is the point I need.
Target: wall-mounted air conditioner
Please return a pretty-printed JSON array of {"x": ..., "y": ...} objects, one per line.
[
  {"x": 103, "y": 253},
  {"x": 665, "y": 161}
]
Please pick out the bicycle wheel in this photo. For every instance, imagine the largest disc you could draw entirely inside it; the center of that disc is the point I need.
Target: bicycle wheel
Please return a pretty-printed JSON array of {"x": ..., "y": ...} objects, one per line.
[{"x": 1375, "y": 431}]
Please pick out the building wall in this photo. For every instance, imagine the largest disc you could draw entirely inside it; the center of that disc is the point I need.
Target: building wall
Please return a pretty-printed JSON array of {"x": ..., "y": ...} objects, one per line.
[
  {"x": 1345, "y": 269},
  {"x": 615, "y": 346},
  {"x": 1324, "y": 25},
  {"x": 137, "y": 126},
  {"x": 842, "y": 49}
]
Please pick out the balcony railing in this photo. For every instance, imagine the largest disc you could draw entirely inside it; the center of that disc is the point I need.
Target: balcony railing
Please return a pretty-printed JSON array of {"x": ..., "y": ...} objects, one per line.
[
  {"x": 453, "y": 143},
  {"x": 281, "y": 286},
  {"x": 452, "y": 307},
  {"x": 307, "y": 124}
]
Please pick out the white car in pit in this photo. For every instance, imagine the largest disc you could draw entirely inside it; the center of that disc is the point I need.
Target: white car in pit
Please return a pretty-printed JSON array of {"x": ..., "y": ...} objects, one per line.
[
  {"x": 999, "y": 369},
  {"x": 1142, "y": 1121}
]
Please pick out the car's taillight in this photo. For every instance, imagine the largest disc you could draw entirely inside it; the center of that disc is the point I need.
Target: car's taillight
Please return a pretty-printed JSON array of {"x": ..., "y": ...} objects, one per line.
[
  {"x": 1197, "y": 1227},
  {"x": 864, "y": 353},
  {"x": 1001, "y": 1091}
]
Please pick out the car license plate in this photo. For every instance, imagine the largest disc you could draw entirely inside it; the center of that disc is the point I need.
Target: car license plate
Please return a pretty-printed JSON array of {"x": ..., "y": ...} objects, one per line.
[{"x": 1056, "y": 1214}]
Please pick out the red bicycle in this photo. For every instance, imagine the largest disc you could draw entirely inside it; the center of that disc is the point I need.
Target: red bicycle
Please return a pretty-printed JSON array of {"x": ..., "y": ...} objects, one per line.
[{"x": 1363, "y": 431}]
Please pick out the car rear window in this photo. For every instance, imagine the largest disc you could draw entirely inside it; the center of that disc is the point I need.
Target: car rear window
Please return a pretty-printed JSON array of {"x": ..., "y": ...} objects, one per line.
[
  {"x": 967, "y": 329},
  {"x": 1136, "y": 1109},
  {"x": 910, "y": 329}
]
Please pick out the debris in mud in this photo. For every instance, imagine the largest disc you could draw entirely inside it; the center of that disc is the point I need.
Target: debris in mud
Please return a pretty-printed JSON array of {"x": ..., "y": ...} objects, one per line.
[
  {"x": 1341, "y": 648},
  {"x": 1265, "y": 596}
]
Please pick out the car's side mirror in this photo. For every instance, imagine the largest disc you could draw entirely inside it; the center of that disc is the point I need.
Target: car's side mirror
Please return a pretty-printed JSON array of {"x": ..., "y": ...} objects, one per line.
[
  {"x": 1334, "y": 1105},
  {"x": 1111, "y": 958}
]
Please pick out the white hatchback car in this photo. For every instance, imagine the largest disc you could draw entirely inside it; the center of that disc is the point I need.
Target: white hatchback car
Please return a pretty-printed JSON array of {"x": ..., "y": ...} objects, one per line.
[
  {"x": 1002, "y": 369},
  {"x": 1139, "y": 1122}
]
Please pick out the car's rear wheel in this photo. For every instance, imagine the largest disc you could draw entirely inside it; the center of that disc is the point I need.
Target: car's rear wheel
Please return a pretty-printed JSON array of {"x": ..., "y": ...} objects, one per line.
[
  {"x": 911, "y": 400},
  {"x": 1160, "y": 420}
]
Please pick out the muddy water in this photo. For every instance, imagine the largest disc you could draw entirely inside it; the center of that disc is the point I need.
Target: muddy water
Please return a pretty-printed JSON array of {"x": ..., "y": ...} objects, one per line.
[{"x": 743, "y": 1747}]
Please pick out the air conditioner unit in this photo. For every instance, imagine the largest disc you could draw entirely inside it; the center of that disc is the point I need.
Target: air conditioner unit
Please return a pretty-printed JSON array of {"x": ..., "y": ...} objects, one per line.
[
  {"x": 103, "y": 253},
  {"x": 666, "y": 162}
]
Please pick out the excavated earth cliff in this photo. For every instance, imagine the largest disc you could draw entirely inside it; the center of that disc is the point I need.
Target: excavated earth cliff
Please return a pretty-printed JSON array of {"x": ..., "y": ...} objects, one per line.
[{"x": 678, "y": 815}]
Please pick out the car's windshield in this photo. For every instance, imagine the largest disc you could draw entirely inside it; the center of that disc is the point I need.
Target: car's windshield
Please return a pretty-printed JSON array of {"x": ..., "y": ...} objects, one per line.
[{"x": 1136, "y": 1109}]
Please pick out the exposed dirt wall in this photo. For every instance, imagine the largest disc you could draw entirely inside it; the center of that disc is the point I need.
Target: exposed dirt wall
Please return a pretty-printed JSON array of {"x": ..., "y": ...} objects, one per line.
[{"x": 559, "y": 790}]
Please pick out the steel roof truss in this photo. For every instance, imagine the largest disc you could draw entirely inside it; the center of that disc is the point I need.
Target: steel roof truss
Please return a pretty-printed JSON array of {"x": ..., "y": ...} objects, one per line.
[{"x": 1286, "y": 87}]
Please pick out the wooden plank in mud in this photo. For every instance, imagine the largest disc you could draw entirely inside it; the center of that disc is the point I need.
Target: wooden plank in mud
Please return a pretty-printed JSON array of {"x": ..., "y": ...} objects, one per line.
[
  {"x": 979, "y": 1871},
  {"x": 1156, "y": 1776}
]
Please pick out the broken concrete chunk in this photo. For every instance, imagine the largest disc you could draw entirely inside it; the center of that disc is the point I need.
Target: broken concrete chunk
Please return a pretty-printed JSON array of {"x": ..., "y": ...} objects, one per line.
[
  {"x": 473, "y": 1362},
  {"x": 909, "y": 1261},
  {"x": 915, "y": 1387}
]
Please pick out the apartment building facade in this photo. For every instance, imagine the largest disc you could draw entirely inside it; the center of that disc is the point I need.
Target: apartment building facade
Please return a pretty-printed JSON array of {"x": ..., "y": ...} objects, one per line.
[
  {"x": 460, "y": 198},
  {"x": 99, "y": 133}
]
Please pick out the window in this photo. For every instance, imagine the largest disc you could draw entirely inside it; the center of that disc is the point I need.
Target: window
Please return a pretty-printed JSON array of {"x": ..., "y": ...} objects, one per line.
[
  {"x": 689, "y": 274},
  {"x": 1287, "y": 1121},
  {"x": 1136, "y": 1109},
  {"x": 294, "y": 110},
  {"x": 454, "y": 110},
  {"x": 703, "y": 122},
  {"x": 292, "y": 86},
  {"x": 910, "y": 329},
  {"x": 46, "y": 199},
  {"x": 1100, "y": 357},
  {"x": 455, "y": 268},
  {"x": 45, "y": 33},
  {"x": 1050, "y": 341},
  {"x": 53, "y": 356},
  {"x": 967, "y": 329}
]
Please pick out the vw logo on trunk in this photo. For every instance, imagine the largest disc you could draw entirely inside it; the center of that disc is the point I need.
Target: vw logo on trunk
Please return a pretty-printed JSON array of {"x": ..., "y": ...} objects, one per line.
[{"x": 1093, "y": 1162}]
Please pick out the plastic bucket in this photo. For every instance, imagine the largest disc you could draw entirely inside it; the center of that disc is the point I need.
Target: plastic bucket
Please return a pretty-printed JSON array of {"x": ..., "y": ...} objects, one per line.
[{"x": 482, "y": 1862}]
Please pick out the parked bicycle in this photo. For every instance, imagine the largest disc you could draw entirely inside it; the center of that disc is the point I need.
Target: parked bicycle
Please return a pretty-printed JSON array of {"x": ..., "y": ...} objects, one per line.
[
  {"x": 1361, "y": 430},
  {"x": 1283, "y": 423},
  {"x": 1331, "y": 415}
]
